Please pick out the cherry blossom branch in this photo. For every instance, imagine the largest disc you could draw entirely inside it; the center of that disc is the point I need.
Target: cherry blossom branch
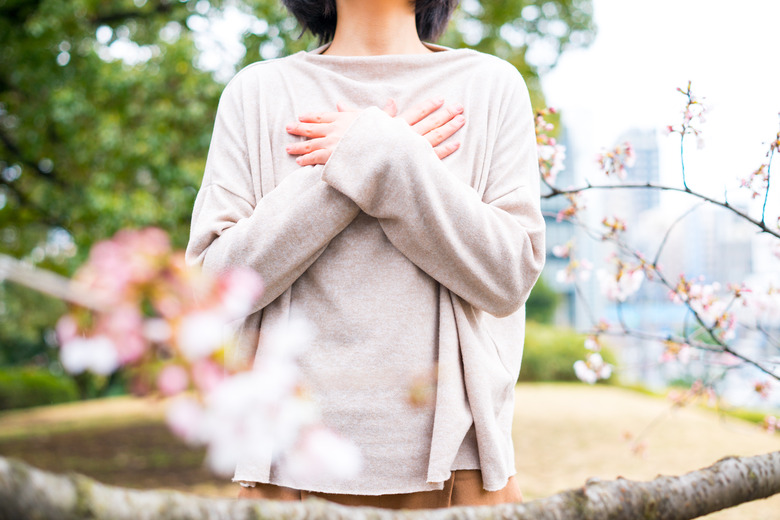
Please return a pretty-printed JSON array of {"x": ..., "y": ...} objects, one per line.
[
  {"x": 768, "y": 178},
  {"x": 555, "y": 192},
  {"x": 658, "y": 274},
  {"x": 139, "y": 307},
  {"x": 775, "y": 340},
  {"x": 660, "y": 338},
  {"x": 48, "y": 282}
]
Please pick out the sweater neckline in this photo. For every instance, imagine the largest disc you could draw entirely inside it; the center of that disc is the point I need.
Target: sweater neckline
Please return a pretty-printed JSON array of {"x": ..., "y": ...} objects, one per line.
[{"x": 440, "y": 52}]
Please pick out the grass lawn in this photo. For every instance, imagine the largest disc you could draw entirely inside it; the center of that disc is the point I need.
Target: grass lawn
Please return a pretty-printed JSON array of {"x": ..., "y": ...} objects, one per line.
[{"x": 565, "y": 433}]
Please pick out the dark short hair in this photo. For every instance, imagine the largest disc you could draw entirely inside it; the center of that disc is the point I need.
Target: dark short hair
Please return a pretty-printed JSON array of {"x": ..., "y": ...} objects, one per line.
[{"x": 319, "y": 17}]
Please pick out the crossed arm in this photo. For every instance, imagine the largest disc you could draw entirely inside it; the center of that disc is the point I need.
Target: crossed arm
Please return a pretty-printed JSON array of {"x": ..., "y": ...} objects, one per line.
[
  {"x": 325, "y": 130},
  {"x": 488, "y": 251},
  {"x": 281, "y": 234}
]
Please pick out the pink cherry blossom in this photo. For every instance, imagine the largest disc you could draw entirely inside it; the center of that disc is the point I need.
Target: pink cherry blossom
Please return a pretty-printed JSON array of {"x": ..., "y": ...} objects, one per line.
[
  {"x": 66, "y": 329},
  {"x": 763, "y": 388},
  {"x": 575, "y": 270},
  {"x": 675, "y": 351},
  {"x": 551, "y": 154},
  {"x": 575, "y": 206},
  {"x": 156, "y": 330},
  {"x": 239, "y": 290},
  {"x": 323, "y": 455},
  {"x": 694, "y": 114},
  {"x": 614, "y": 226},
  {"x": 592, "y": 369},
  {"x": 172, "y": 380},
  {"x": 207, "y": 374},
  {"x": 95, "y": 354},
  {"x": 184, "y": 416},
  {"x": 593, "y": 343},
  {"x": 771, "y": 424},
  {"x": 200, "y": 334},
  {"x": 614, "y": 162},
  {"x": 757, "y": 182},
  {"x": 125, "y": 328},
  {"x": 562, "y": 251},
  {"x": 620, "y": 286}
]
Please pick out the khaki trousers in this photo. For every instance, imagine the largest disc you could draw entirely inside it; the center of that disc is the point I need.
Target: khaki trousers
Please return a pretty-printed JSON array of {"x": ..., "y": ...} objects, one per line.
[{"x": 464, "y": 488}]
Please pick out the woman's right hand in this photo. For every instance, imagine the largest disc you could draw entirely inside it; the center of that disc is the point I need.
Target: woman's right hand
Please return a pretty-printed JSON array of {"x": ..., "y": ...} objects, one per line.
[
  {"x": 432, "y": 123},
  {"x": 324, "y": 130}
]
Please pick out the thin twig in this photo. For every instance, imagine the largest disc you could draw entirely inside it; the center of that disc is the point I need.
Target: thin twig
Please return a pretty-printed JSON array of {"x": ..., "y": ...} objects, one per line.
[
  {"x": 585, "y": 302},
  {"x": 682, "y": 162},
  {"x": 768, "y": 179},
  {"x": 669, "y": 231}
]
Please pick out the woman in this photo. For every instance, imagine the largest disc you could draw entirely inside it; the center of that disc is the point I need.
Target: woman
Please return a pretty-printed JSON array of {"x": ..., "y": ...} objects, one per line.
[{"x": 411, "y": 254}]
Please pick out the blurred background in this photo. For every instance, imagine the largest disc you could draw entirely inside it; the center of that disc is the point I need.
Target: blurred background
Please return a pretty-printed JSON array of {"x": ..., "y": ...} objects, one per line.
[{"x": 106, "y": 112}]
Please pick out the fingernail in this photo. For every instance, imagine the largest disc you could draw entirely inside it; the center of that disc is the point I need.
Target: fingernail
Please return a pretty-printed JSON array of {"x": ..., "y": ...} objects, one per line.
[
  {"x": 439, "y": 100},
  {"x": 459, "y": 119},
  {"x": 287, "y": 148},
  {"x": 299, "y": 160},
  {"x": 458, "y": 108}
]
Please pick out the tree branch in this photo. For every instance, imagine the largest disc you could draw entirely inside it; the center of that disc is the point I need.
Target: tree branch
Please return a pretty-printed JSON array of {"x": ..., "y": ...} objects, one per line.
[
  {"x": 14, "y": 149},
  {"x": 112, "y": 18},
  {"x": 657, "y": 273},
  {"x": 26, "y": 492},
  {"x": 48, "y": 282},
  {"x": 649, "y": 185},
  {"x": 21, "y": 197}
]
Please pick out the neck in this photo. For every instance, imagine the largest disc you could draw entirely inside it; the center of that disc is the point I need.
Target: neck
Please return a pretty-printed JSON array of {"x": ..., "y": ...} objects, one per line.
[{"x": 376, "y": 27}]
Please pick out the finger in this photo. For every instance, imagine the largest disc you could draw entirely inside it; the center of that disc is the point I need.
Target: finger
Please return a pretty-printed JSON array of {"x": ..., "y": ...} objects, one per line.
[
  {"x": 318, "y": 117},
  {"x": 437, "y": 119},
  {"x": 343, "y": 107},
  {"x": 415, "y": 114},
  {"x": 305, "y": 147},
  {"x": 308, "y": 129},
  {"x": 391, "y": 108},
  {"x": 320, "y": 156},
  {"x": 439, "y": 135},
  {"x": 446, "y": 149}
]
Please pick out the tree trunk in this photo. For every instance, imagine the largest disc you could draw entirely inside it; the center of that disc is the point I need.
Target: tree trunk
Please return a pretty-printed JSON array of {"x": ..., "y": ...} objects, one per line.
[{"x": 26, "y": 492}]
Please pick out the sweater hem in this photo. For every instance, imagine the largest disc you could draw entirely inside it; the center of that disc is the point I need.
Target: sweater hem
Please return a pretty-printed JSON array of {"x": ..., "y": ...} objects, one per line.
[{"x": 430, "y": 486}]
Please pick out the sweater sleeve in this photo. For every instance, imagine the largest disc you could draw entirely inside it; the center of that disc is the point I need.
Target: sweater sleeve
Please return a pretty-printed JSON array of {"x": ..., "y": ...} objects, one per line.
[
  {"x": 279, "y": 234},
  {"x": 488, "y": 250}
]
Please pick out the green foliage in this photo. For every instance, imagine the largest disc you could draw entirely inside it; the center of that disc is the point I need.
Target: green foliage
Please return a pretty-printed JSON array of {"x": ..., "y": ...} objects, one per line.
[
  {"x": 550, "y": 353},
  {"x": 22, "y": 338},
  {"x": 509, "y": 28},
  {"x": 542, "y": 303},
  {"x": 90, "y": 143},
  {"x": 31, "y": 386}
]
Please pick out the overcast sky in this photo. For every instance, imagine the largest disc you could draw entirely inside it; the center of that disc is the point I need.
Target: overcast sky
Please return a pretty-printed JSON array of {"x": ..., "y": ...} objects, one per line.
[{"x": 644, "y": 50}]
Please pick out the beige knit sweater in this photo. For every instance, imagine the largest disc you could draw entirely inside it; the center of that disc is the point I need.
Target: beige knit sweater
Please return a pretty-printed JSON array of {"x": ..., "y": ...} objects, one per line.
[{"x": 408, "y": 266}]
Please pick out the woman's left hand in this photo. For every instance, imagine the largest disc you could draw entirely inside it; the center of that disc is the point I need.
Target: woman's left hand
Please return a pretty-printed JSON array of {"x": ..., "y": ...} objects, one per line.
[{"x": 324, "y": 130}]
